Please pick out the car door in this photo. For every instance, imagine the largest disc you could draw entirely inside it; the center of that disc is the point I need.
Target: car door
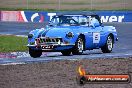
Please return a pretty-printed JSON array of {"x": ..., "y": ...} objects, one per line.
[
  {"x": 86, "y": 30},
  {"x": 97, "y": 33}
]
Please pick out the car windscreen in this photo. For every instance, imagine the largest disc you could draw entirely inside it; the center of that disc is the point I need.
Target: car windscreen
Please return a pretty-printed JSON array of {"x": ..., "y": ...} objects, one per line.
[{"x": 69, "y": 20}]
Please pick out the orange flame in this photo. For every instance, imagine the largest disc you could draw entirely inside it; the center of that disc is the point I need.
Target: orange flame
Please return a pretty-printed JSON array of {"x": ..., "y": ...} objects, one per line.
[{"x": 81, "y": 71}]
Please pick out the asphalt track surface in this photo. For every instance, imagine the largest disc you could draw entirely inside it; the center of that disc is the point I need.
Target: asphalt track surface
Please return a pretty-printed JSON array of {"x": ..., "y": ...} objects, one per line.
[{"x": 122, "y": 48}]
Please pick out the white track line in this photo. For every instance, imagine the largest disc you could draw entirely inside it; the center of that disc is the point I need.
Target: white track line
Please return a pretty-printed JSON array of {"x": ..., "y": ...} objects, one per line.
[
  {"x": 16, "y": 35},
  {"x": 13, "y": 63}
]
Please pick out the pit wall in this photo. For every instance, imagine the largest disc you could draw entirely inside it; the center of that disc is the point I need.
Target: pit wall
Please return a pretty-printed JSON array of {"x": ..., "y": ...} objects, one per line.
[{"x": 42, "y": 16}]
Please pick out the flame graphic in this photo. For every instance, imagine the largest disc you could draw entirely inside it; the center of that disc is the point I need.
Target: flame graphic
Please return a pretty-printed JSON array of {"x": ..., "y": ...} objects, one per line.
[{"x": 81, "y": 71}]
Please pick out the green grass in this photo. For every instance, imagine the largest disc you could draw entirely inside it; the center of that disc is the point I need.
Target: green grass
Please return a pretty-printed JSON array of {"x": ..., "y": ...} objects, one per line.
[
  {"x": 20, "y": 9},
  {"x": 10, "y": 43},
  {"x": 53, "y": 10}
]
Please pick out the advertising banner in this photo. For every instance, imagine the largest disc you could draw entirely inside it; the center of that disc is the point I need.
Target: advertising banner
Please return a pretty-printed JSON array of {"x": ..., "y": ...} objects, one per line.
[
  {"x": 33, "y": 16},
  {"x": 42, "y": 16},
  {"x": 110, "y": 16},
  {"x": 115, "y": 16}
]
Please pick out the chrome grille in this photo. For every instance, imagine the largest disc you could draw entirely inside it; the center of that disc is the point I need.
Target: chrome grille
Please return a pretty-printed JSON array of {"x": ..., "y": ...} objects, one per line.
[{"x": 48, "y": 40}]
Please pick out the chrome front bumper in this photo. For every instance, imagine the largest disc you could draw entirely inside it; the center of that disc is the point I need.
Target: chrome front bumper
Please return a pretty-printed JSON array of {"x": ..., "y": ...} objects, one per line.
[
  {"x": 47, "y": 43},
  {"x": 51, "y": 46}
]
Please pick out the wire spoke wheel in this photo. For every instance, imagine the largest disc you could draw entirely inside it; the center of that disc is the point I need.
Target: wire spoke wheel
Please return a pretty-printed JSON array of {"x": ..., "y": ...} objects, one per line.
[
  {"x": 110, "y": 43},
  {"x": 80, "y": 45},
  {"x": 107, "y": 48}
]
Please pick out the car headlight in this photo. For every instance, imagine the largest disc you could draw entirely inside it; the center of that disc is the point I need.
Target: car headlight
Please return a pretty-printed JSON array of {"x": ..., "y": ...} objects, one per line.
[
  {"x": 69, "y": 35},
  {"x": 30, "y": 35}
]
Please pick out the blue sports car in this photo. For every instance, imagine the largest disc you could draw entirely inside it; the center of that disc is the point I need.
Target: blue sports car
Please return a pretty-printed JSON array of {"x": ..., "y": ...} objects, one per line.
[{"x": 72, "y": 33}]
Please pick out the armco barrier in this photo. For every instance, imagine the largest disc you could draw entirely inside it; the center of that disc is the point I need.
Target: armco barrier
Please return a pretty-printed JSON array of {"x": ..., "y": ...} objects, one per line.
[{"x": 42, "y": 16}]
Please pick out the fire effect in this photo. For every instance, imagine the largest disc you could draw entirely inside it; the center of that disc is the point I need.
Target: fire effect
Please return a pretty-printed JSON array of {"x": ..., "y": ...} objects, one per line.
[{"x": 81, "y": 71}]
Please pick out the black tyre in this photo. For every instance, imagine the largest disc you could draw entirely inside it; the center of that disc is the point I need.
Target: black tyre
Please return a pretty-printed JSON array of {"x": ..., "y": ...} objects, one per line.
[
  {"x": 79, "y": 46},
  {"x": 107, "y": 48},
  {"x": 66, "y": 52},
  {"x": 35, "y": 53}
]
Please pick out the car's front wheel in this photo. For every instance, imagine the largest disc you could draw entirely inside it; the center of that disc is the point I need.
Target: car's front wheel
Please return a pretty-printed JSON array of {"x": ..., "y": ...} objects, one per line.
[
  {"x": 107, "y": 48},
  {"x": 79, "y": 46},
  {"x": 35, "y": 53}
]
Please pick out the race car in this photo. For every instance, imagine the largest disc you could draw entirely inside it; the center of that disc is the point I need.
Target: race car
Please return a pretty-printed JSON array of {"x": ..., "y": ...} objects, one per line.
[{"x": 72, "y": 34}]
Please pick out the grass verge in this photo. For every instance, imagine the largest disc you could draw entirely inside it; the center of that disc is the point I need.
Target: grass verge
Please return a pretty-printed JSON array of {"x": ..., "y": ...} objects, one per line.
[
  {"x": 54, "y": 10},
  {"x": 11, "y": 43}
]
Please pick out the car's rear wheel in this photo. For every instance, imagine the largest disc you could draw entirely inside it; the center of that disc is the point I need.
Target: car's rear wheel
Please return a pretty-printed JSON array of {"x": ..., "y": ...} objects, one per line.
[
  {"x": 107, "y": 48},
  {"x": 66, "y": 52},
  {"x": 35, "y": 53},
  {"x": 79, "y": 46}
]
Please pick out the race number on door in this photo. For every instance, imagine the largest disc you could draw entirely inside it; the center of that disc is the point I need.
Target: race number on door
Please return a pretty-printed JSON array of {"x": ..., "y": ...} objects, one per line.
[{"x": 96, "y": 37}]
